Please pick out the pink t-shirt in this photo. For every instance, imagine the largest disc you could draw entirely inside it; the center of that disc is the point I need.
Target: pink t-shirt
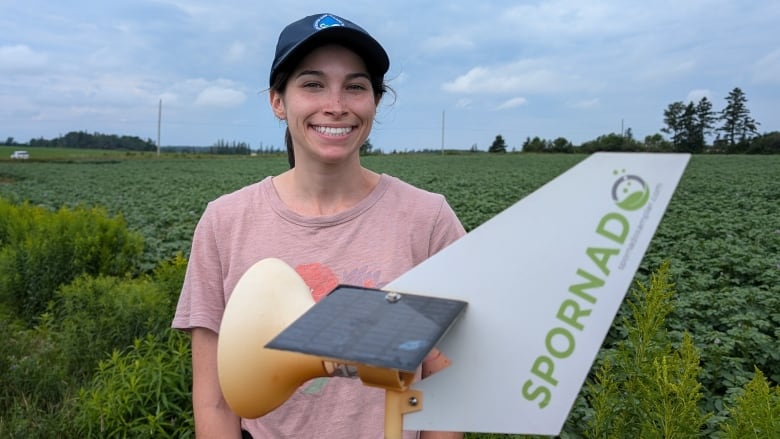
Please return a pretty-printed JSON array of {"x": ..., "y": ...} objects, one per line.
[{"x": 394, "y": 228}]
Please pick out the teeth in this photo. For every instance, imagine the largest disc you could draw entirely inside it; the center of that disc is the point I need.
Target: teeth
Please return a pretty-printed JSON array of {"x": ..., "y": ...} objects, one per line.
[{"x": 329, "y": 131}]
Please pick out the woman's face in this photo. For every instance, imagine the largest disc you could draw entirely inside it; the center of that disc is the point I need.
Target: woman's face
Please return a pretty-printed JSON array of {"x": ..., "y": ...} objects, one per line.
[{"x": 329, "y": 105}]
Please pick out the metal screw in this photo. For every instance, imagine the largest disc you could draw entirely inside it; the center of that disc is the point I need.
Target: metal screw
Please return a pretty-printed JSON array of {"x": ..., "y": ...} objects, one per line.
[
  {"x": 392, "y": 297},
  {"x": 413, "y": 401}
]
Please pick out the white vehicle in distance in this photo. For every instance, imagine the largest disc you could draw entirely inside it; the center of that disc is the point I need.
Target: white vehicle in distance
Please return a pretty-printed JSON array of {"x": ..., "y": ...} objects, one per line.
[{"x": 20, "y": 155}]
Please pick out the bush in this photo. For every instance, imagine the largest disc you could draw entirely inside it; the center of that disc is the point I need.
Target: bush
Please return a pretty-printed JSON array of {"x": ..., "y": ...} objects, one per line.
[
  {"x": 169, "y": 276},
  {"x": 33, "y": 378},
  {"x": 98, "y": 315},
  {"x": 644, "y": 388},
  {"x": 756, "y": 412},
  {"x": 142, "y": 393},
  {"x": 41, "y": 250}
]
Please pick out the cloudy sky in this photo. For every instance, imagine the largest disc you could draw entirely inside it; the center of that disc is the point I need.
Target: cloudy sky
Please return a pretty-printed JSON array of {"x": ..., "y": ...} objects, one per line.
[{"x": 549, "y": 68}]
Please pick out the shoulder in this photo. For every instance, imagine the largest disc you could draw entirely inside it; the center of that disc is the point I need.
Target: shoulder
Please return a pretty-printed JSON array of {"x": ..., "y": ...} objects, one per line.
[
  {"x": 416, "y": 204},
  {"x": 240, "y": 197},
  {"x": 406, "y": 191},
  {"x": 236, "y": 204}
]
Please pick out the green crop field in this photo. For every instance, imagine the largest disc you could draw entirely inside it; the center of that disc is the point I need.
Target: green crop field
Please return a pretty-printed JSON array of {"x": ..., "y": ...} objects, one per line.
[
  {"x": 66, "y": 154},
  {"x": 720, "y": 234}
]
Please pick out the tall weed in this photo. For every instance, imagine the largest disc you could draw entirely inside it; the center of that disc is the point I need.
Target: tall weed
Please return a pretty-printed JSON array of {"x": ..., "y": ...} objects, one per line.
[
  {"x": 41, "y": 250},
  {"x": 645, "y": 387},
  {"x": 756, "y": 411},
  {"x": 141, "y": 393}
]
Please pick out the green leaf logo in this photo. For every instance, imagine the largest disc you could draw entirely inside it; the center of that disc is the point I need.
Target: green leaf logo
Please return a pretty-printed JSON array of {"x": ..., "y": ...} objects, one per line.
[{"x": 630, "y": 192}]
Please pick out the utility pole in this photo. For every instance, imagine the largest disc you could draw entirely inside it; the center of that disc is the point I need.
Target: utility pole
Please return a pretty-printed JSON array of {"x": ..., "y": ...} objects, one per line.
[
  {"x": 159, "y": 118},
  {"x": 442, "y": 132}
]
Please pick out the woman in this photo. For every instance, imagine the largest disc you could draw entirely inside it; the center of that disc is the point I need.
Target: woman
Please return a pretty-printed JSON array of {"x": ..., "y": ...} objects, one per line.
[{"x": 328, "y": 217}]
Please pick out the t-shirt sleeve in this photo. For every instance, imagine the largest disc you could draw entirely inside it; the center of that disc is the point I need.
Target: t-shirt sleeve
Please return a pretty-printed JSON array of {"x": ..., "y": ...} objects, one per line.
[
  {"x": 447, "y": 228},
  {"x": 202, "y": 299}
]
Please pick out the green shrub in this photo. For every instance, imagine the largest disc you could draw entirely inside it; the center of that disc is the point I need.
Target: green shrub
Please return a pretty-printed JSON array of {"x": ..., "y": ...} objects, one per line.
[
  {"x": 645, "y": 388},
  {"x": 32, "y": 373},
  {"x": 169, "y": 276},
  {"x": 41, "y": 250},
  {"x": 97, "y": 315},
  {"x": 43, "y": 366},
  {"x": 756, "y": 412},
  {"x": 141, "y": 393}
]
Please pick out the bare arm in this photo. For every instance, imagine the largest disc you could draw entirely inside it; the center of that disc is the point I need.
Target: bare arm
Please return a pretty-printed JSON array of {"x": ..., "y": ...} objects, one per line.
[
  {"x": 213, "y": 417},
  {"x": 435, "y": 362}
]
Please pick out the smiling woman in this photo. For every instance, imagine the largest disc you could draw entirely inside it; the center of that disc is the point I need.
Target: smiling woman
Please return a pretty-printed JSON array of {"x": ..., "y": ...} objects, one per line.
[
  {"x": 329, "y": 105},
  {"x": 323, "y": 217}
]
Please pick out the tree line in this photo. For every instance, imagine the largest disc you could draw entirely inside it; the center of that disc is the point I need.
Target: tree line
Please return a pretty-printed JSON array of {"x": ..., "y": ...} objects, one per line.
[
  {"x": 688, "y": 126},
  {"x": 84, "y": 140}
]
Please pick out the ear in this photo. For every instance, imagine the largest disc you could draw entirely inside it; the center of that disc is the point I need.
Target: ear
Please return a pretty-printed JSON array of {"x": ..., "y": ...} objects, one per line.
[{"x": 277, "y": 104}]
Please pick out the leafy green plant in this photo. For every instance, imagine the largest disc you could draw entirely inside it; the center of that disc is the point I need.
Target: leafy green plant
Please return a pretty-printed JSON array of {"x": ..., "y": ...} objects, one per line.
[
  {"x": 169, "y": 276},
  {"x": 645, "y": 388},
  {"x": 141, "y": 393},
  {"x": 42, "y": 250},
  {"x": 33, "y": 376},
  {"x": 96, "y": 315},
  {"x": 756, "y": 411}
]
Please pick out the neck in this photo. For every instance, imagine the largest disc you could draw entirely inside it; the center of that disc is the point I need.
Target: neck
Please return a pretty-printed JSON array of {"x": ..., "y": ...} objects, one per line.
[{"x": 325, "y": 190}]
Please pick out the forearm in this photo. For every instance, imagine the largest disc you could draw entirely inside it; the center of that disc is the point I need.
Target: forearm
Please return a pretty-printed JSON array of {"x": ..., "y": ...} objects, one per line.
[
  {"x": 213, "y": 417},
  {"x": 216, "y": 423}
]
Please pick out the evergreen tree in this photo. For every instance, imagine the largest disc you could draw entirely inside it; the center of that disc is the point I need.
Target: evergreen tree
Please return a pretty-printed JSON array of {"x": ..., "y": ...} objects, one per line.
[
  {"x": 366, "y": 147},
  {"x": 689, "y": 124},
  {"x": 738, "y": 127},
  {"x": 705, "y": 120},
  {"x": 534, "y": 145},
  {"x": 673, "y": 118},
  {"x": 499, "y": 145}
]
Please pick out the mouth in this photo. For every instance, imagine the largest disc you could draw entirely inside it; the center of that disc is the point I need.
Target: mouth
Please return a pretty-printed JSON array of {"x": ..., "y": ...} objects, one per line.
[{"x": 333, "y": 131}]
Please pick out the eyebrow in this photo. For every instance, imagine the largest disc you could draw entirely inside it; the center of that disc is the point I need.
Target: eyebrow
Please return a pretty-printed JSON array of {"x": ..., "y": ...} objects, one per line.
[{"x": 320, "y": 73}]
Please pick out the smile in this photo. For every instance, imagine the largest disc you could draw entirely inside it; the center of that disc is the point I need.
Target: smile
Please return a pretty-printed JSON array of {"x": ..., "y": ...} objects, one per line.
[{"x": 331, "y": 131}]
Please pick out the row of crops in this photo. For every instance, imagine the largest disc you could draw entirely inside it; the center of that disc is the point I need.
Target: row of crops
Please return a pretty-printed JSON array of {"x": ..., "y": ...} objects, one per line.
[{"x": 720, "y": 237}]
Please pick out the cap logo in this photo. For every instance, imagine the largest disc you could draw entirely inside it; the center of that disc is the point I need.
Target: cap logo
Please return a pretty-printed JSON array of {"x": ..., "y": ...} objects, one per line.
[{"x": 327, "y": 21}]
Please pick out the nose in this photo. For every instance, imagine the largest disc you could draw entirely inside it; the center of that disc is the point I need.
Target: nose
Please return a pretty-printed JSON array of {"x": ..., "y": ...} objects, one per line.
[{"x": 334, "y": 104}]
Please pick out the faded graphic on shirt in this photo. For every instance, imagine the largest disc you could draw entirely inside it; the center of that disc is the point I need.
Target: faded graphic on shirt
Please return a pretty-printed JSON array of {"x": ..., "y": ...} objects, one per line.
[{"x": 322, "y": 280}]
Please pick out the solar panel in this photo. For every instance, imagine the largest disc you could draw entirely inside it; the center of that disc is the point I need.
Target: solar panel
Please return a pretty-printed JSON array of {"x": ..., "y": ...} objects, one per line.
[{"x": 371, "y": 326}]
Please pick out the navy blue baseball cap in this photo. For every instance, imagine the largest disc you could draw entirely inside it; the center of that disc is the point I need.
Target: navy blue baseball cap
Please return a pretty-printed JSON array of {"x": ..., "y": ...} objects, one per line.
[{"x": 302, "y": 36}]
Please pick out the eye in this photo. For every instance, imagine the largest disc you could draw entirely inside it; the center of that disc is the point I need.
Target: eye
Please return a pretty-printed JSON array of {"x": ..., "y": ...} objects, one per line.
[
  {"x": 357, "y": 87},
  {"x": 311, "y": 84}
]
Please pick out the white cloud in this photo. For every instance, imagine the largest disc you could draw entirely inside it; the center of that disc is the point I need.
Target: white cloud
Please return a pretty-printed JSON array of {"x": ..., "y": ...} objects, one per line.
[
  {"x": 220, "y": 96},
  {"x": 219, "y": 93},
  {"x": 526, "y": 76},
  {"x": 513, "y": 103},
  {"x": 556, "y": 20},
  {"x": 20, "y": 59}
]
